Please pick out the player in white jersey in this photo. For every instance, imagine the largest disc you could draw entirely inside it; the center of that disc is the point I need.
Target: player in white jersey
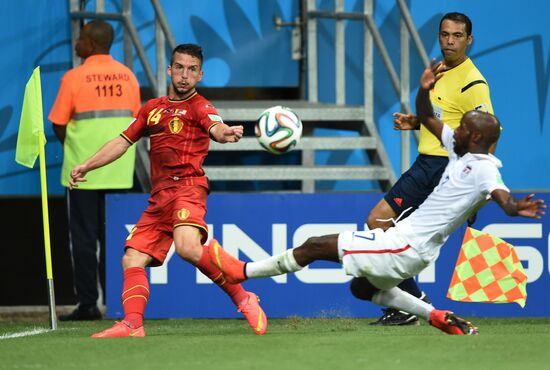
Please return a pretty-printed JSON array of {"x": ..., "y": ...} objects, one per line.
[{"x": 387, "y": 258}]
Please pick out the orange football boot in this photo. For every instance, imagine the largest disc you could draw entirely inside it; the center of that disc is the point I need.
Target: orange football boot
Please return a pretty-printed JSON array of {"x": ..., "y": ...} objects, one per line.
[
  {"x": 250, "y": 308},
  {"x": 120, "y": 329},
  {"x": 451, "y": 324}
]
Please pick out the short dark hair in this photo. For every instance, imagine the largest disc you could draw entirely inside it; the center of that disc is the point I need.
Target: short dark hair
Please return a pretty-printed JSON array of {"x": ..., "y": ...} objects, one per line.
[
  {"x": 101, "y": 33},
  {"x": 190, "y": 49},
  {"x": 458, "y": 17}
]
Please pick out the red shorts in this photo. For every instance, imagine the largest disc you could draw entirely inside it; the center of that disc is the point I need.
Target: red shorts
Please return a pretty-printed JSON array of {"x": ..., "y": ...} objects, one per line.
[{"x": 167, "y": 209}]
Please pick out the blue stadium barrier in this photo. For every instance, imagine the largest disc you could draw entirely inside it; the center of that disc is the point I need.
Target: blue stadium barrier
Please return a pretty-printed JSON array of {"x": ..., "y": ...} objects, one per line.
[{"x": 259, "y": 225}]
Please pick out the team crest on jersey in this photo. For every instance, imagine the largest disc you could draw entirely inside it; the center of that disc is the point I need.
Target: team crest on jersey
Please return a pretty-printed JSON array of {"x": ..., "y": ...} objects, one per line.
[
  {"x": 183, "y": 213},
  {"x": 175, "y": 125},
  {"x": 465, "y": 172}
]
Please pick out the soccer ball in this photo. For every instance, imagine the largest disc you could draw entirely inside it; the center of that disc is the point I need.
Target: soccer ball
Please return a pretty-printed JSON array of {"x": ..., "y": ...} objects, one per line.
[{"x": 278, "y": 129}]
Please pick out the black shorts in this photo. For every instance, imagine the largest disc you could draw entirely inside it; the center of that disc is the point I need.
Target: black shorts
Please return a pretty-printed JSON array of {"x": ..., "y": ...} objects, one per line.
[{"x": 414, "y": 186}]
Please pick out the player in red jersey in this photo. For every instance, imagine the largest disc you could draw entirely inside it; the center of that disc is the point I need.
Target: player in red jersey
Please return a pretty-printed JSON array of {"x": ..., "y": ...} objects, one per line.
[{"x": 180, "y": 126}]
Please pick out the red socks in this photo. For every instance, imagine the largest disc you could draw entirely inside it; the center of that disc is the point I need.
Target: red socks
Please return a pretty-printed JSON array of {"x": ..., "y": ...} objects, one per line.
[
  {"x": 135, "y": 291},
  {"x": 135, "y": 294},
  {"x": 235, "y": 291}
]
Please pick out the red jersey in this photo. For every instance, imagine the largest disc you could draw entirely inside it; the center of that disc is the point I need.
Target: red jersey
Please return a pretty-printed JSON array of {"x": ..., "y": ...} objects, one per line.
[{"x": 179, "y": 132}]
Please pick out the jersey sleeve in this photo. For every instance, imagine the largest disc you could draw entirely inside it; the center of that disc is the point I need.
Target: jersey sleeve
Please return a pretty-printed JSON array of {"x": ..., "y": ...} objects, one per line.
[
  {"x": 477, "y": 97},
  {"x": 208, "y": 116},
  {"x": 488, "y": 179},
  {"x": 448, "y": 141},
  {"x": 137, "y": 127},
  {"x": 63, "y": 107}
]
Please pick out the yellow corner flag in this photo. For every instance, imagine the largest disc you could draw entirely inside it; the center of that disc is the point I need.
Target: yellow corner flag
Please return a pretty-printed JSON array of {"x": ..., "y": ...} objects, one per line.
[
  {"x": 487, "y": 270},
  {"x": 31, "y": 126},
  {"x": 30, "y": 144}
]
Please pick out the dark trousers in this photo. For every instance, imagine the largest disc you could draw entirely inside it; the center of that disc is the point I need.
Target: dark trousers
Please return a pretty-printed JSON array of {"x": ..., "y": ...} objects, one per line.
[{"x": 86, "y": 210}]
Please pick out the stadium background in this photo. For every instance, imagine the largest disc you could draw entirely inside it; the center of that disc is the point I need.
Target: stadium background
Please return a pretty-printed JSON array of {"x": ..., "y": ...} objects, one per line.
[{"x": 510, "y": 48}]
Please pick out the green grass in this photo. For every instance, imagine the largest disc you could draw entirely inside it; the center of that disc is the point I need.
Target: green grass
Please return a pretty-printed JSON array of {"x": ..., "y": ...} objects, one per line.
[{"x": 294, "y": 343}]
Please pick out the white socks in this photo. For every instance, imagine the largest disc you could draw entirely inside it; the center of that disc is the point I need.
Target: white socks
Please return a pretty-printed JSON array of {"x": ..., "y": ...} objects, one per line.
[
  {"x": 394, "y": 297},
  {"x": 276, "y": 265},
  {"x": 403, "y": 301}
]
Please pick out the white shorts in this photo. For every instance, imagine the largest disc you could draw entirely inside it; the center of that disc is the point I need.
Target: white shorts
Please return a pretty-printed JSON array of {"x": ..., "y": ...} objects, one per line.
[{"x": 384, "y": 258}]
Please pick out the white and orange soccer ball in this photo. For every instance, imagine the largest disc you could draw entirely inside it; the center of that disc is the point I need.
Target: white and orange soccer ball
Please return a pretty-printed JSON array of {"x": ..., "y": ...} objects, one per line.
[{"x": 278, "y": 129}]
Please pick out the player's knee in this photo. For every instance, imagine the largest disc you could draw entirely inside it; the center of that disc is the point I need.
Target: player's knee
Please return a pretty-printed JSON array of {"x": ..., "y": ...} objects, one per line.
[
  {"x": 315, "y": 242},
  {"x": 317, "y": 248},
  {"x": 310, "y": 250},
  {"x": 322, "y": 247},
  {"x": 361, "y": 288},
  {"x": 191, "y": 252},
  {"x": 183, "y": 251},
  {"x": 134, "y": 258}
]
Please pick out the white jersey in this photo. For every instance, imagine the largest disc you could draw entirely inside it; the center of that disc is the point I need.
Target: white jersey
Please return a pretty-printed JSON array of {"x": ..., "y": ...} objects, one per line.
[{"x": 465, "y": 187}]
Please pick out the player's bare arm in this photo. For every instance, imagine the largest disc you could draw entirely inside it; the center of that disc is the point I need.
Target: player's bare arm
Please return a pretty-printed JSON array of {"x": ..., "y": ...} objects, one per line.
[
  {"x": 223, "y": 133},
  {"x": 108, "y": 153},
  {"x": 424, "y": 109},
  {"x": 404, "y": 121},
  {"x": 526, "y": 207}
]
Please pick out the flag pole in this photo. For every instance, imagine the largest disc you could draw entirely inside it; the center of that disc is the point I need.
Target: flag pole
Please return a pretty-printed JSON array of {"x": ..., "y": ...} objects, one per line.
[
  {"x": 30, "y": 144},
  {"x": 45, "y": 212},
  {"x": 46, "y": 224}
]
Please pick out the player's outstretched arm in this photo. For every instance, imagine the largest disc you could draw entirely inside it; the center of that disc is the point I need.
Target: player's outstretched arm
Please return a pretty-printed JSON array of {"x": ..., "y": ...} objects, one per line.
[
  {"x": 404, "y": 121},
  {"x": 108, "y": 153},
  {"x": 424, "y": 109},
  {"x": 527, "y": 207},
  {"x": 223, "y": 133}
]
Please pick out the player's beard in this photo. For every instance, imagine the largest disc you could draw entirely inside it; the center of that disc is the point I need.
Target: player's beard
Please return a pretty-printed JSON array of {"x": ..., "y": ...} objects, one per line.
[
  {"x": 182, "y": 92},
  {"x": 460, "y": 148}
]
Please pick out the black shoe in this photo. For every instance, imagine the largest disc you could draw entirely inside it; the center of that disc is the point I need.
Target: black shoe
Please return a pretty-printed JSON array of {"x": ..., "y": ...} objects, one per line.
[
  {"x": 393, "y": 317},
  {"x": 82, "y": 314}
]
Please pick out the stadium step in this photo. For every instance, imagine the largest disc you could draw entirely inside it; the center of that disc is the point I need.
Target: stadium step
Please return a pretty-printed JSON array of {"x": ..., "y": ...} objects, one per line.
[
  {"x": 250, "y": 110},
  {"x": 318, "y": 143},
  {"x": 282, "y": 172},
  {"x": 354, "y": 123},
  {"x": 347, "y": 118}
]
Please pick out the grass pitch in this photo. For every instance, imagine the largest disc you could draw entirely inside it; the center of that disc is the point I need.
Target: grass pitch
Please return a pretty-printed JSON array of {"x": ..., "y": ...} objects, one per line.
[{"x": 293, "y": 343}]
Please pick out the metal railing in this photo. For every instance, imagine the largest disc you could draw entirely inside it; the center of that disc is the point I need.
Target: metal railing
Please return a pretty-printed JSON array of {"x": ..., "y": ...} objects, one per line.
[
  {"x": 163, "y": 34},
  {"x": 308, "y": 24},
  {"x": 372, "y": 35},
  {"x": 157, "y": 79}
]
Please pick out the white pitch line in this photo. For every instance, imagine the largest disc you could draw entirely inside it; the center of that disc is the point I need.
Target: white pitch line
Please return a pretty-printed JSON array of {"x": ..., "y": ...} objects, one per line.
[{"x": 24, "y": 333}]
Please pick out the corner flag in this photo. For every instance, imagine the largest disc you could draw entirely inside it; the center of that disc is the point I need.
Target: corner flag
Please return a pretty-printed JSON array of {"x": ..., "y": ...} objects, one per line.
[
  {"x": 31, "y": 126},
  {"x": 487, "y": 270},
  {"x": 30, "y": 144}
]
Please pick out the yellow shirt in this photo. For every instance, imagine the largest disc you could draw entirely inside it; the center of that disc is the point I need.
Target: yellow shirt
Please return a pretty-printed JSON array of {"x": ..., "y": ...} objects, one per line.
[{"x": 461, "y": 89}]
